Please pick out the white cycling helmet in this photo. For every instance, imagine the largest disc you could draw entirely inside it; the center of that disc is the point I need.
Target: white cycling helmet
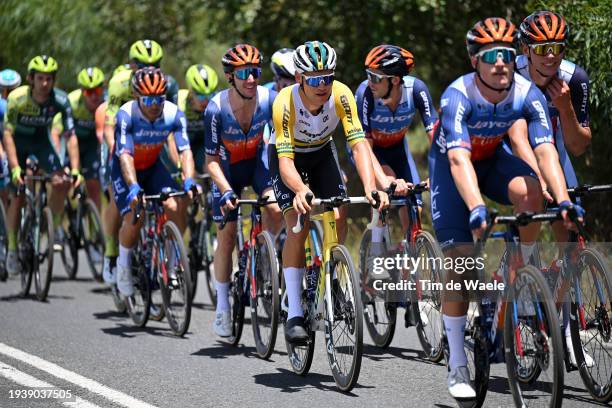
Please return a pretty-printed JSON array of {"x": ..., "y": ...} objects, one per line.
[
  {"x": 314, "y": 56},
  {"x": 9, "y": 79},
  {"x": 282, "y": 63}
]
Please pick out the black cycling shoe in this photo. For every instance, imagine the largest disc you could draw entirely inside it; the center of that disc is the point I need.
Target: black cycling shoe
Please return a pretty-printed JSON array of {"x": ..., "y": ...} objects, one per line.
[{"x": 295, "y": 331}]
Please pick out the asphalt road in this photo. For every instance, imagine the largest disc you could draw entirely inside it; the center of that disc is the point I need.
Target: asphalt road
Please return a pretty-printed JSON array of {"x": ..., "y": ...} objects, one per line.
[{"x": 76, "y": 341}]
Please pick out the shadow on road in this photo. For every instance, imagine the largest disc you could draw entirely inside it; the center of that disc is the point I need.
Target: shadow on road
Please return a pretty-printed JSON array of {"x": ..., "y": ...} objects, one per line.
[
  {"x": 112, "y": 315},
  {"x": 125, "y": 331},
  {"x": 61, "y": 279},
  {"x": 30, "y": 297},
  {"x": 287, "y": 381},
  {"x": 203, "y": 306},
  {"x": 224, "y": 350},
  {"x": 379, "y": 354}
]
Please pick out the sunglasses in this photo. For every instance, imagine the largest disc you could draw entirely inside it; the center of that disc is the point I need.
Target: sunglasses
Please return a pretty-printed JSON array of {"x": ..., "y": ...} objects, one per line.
[
  {"x": 200, "y": 97},
  {"x": 244, "y": 74},
  {"x": 376, "y": 78},
  {"x": 544, "y": 49},
  {"x": 142, "y": 65},
  {"x": 152, "y": 100},
  {"x": 97, "y": 91},
  {"x": 491, "y": 56},
  {"x": 316, "y": 81}
]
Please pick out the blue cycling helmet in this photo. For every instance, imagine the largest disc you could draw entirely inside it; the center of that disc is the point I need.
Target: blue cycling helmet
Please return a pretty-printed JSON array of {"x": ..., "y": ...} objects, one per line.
[{"x": 9, "y": 79}]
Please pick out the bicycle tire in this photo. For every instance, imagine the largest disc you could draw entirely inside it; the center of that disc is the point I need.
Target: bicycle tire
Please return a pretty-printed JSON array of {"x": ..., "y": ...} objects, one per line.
[
  {"x": 544, "y": 306},
  {"x": 431, "y": 342},
  {"x": 237, "y": 306},
  {"x": 382, "y": 338},
  {"x": 601, "y": 392},
  {"x": 138, "y": 305},
  {"x": 26, "y": 254},
  {"x": 70, "y": 248},
  {"x": 179, "y": 325},
  {"x": 3, "y": 243},
  {"x": 196, "y": 260},
  {"x": 42, "y": 278},
  {"x": 266, "y": 290},
  {"x": 352, "y": 313},
  {"x": 91, "y": 216},
  {"x": 300, "y": 355}
]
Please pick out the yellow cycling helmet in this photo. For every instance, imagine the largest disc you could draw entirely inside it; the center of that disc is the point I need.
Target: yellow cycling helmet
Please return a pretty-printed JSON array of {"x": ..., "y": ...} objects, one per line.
[
  {"x": 146, "y": 52},
  {"x": 202, "y": 79},
  {"x": 121, "y": 68},
  {"x": 43, "y": 63},
  {"x": 90, "y": 77}
]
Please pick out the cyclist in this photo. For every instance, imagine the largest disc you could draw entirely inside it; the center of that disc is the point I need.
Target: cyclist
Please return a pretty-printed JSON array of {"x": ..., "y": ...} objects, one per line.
[
  {"x": 142, "y": 53},
  {"x": 28, "y": 120},
  {"x": 143, "y": 125},
  {"x": 202, "y": 81},
  {"x": 305, "y": 115},
  {"x": 543, "y": 37},
  {"x": 9, "y": 80},
  {"x": 467, "y": 159},
  {"x": 234, "y": 122},
  {"x": 282, "y": 68},
  {"x": 84, "y": 102}
]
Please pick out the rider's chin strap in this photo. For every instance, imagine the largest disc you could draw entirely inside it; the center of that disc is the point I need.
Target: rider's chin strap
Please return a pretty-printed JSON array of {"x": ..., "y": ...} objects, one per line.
[
  {"x": 489, "y": 86},
  {"x": 389, "y": 89}
]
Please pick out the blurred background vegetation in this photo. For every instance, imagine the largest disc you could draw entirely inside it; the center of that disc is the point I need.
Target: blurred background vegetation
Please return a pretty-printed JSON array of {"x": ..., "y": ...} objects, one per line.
[{"x": 80, "y": 33}]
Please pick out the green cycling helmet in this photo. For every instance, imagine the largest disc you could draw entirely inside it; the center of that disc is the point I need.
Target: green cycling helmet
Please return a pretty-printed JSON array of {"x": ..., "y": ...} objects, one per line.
[
  {"x": 90, "y": 77},
  {"x": 121, "y": 68},
  {"x": 202, "y": 79},
  {"x": 43, "y": 63},
  {"x": 146, "y": 52}
]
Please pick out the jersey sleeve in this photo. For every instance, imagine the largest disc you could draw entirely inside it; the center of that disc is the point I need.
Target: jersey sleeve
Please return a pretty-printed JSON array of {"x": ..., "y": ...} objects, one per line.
[
  {"x": 212, "y": 128},
  {"x": 66, "y": 110},
  {"x": 579, "y": 90},
  {"x": 456, "y": 108},
  {"x": 346, "y": 109},
  {"x": 283, "y": 120},
  {"x": 365, "y": 105},
  {"x": 535, "y": 112},
  {"x": 181, "y": 139},
  {"x": 124, "y": 139},
  {"x": 423, "y": 102}
]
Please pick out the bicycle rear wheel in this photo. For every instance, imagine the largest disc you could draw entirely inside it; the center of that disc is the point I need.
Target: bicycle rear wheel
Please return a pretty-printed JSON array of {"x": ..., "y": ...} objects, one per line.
[
  {"x": 344, "y": 336},
  {"x": 532, "y": 338},
  {"x": 26, "y": 253},
  {"x": 138, "y": 305},
  {"x": 43, "y": 260},
  {"x": 300, "y": 355},
  {"x": 69, "y": 251},
  {"x": 93, "y": 238},
  {"x": 3, "y": 243},
  {"x": 427, "y": 303},
  {"x": 265, "y": 302},
  {"x": 176, "y": 290},
  {"x": 590, "y": 325}
]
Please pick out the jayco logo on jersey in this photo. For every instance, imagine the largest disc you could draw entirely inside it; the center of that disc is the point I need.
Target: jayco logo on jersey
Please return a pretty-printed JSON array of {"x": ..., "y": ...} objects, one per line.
[
  {"x": 390, "y": 119},
  {"x": 151, "y": 133},
  {"x": 490, "y": 124},
  {"x": 426, "y": 102},
  {"x": 541, "y": 114},
  {"x": 459, "y": 118},
  {"x": 441, "y": 141},
  {"x": 232, "y": 131}
]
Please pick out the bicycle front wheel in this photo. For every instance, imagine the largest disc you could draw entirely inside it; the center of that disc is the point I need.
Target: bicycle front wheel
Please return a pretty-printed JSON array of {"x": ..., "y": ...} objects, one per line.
[
  {"x": 175, "y": 283},
  {"x": 43, "y": 263},
  {"x": 532, "y": 340},
  {"x": 139, "y": 304},
  {"x": 93, "y": 238},
  {"x": 26, "y": 253},
  {"x": 69, "y": 248},
  {"x": 344, "y": 323},
  {"x": 3, "y": 242},
  {"x": 590, "y": 325},
  {"x": 264, "y": 296}
]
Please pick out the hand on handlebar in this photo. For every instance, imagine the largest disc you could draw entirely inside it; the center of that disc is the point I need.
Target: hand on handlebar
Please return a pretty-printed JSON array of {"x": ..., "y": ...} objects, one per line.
[
  {"x": 133, "y": 194},
  {"x": 302, "y": 200},
  {"x": 228, "y": 201},
  {"x": 478, "y": 220},
  {"x": 571, "y": 214},
  {"x": 379, "y": 201}
]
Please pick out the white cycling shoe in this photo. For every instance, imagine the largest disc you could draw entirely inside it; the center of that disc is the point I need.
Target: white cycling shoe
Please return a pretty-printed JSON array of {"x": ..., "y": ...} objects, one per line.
[
  {"x": 12, "y": 263},
  {"x": 588, "y": 360},
  {"x": 125, "y": 283},
  {"x": 222, "y": 325},
  {"x": 459, "y": 385},
  {"x": 109, "y": 272}
]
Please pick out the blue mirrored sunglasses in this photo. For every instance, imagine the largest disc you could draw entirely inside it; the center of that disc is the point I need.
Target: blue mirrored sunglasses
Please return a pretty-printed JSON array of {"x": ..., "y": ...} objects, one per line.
[
  {"x": 202, "y": 97},
  {"x": 244, "y": 74},
  {"x": 316, "y": 81},
  {"x": 152, "y": 100},
  {"x": 490, "y": 56}
]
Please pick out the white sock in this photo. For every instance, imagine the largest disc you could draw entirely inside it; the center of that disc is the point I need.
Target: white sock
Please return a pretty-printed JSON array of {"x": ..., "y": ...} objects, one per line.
[
  {"x": 125, "y": 257},
  {"x": 293, "y": 283},
  {"x": 455, "y": 332},
  {"x": 378, "y": 233},
  {"x": 527, "y": 250},
  {"x": 222, "y": 296}
]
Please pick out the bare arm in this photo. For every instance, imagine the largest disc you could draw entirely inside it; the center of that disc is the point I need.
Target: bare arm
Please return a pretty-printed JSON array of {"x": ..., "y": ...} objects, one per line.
[
  {"x": 464, "y": 177},
  {"x": 187, "y": 165},
  {"x": 363, "y": 162},
  {"x": 548, "y": 161},
  {"x": 73, "y": 151},
  {"x": 126, "y": 161},
  {"x": 213, "y": 163}
]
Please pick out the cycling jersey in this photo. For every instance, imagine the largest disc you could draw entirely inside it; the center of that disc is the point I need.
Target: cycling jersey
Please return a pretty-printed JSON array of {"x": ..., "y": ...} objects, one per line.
[
  {"x": 387, "y": 128},
  {"x": 100, "y": 117},
  {"x": 578, "y": 83},
  {"x": 195, "y": 128},
  {"x": 85, "y": 130},
  {"x": 2, "y": 110},
  {"x": 143, "y": 139},
  {"x": 296, "y": 130},
  {"x": 270, "y": 85},
  {"x": 120, "y": 92},
  {"x": 31, "y": 123},
  {"x": 224, "y": 136},
  {"x": 468, "y": 121}
]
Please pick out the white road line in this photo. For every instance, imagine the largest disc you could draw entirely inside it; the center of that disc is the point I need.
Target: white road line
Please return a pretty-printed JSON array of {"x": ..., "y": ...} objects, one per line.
[
  {"x": 91, "y": 385},
  {"x": 27, "y": 380}
]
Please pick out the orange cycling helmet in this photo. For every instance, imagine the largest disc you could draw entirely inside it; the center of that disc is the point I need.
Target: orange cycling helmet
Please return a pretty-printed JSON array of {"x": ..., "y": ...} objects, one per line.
[
  {"x": 493, "y": 30},
  {"x": 149, "y": 81},
  {"x": 543, "y": 26},
  {"x": 390, "y": 59},
  {"x": 239, "y": 55}
]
